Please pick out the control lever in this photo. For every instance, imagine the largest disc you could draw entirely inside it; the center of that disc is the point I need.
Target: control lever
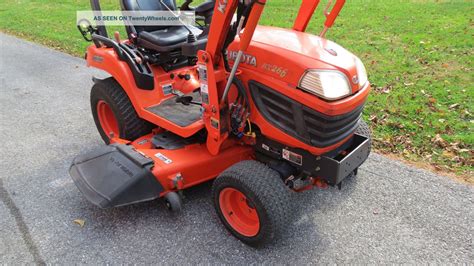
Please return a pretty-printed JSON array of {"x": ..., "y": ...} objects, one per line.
[
  {"x": 184, "y": 99},
  {"x": 185, "y": 76},
  {"x": 191, "y": 38},
  {"x": 187, "y": 100}
]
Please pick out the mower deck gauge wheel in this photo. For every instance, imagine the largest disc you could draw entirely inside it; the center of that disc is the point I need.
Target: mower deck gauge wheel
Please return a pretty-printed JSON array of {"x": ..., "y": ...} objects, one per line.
[{"x": 173, "y": 202}]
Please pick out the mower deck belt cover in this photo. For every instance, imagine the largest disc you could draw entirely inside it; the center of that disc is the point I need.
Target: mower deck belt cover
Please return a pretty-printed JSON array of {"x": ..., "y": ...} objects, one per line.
[{"x": 115, "y": 175}]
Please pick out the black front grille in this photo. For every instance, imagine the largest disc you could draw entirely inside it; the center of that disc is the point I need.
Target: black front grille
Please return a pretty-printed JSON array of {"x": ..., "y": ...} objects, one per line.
[{"x": 300, "y": 121}]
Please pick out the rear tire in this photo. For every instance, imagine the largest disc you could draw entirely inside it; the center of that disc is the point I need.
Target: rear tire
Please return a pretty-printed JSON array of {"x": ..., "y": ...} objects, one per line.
[
  {"x": 252, "y": 202},
  {"x": 114, "y": 113}
]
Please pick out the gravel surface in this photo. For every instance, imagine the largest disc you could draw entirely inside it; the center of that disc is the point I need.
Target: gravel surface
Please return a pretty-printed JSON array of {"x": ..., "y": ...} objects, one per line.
[{"x": 390, "y": 213}]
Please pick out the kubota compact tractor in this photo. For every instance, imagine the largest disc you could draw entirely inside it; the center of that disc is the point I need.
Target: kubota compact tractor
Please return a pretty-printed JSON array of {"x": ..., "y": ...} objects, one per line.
[{"x": 262, "y": 110}]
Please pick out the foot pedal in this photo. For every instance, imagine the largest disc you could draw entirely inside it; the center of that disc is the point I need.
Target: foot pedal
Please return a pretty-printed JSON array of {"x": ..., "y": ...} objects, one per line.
[{"x": 115, "y": 175}]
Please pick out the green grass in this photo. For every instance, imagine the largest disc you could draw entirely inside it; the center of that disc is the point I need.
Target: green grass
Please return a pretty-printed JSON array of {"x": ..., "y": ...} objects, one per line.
[{"x": 419, "y": 55}]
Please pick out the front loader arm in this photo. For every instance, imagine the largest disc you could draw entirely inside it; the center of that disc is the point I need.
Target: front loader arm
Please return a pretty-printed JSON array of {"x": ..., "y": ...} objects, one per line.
[
  {"x": 215, "y": 81},
  {"x": 304, "y": 14},
  {"x": 307, "y": 9}
]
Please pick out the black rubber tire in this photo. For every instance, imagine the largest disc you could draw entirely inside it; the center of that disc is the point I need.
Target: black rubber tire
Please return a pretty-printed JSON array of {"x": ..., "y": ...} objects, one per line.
[
  {"x": 265, "y": 189},
  {"x": 130, "y": 125},
  {"x": 173, "y": 202}
]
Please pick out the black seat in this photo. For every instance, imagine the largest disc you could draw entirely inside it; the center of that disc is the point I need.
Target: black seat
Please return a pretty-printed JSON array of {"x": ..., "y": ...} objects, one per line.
[
  {"x": 157, "y": 38},
  {"x": 166, "y": 37},
  {"x": 148, "y": 5},
  {"x": 164, "y": 40}
]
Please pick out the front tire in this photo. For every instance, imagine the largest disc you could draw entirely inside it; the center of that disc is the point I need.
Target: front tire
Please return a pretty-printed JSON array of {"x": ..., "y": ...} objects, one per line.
[
  {"x": 252, "y": 202},
  {"x": 114, "y": 114}
]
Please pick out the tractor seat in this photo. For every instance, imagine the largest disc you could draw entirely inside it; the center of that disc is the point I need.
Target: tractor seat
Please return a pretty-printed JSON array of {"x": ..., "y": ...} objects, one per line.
[
  {"x": 159, "y": 38},
  {"x": 167, "y": 39}
]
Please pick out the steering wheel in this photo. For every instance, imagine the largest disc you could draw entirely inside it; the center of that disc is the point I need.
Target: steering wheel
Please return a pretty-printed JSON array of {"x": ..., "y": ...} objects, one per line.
[{"x": 185, "y": 5}]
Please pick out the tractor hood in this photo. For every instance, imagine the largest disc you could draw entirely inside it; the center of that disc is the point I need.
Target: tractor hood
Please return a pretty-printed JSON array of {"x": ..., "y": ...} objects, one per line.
[{"x": 286, "y": 54}]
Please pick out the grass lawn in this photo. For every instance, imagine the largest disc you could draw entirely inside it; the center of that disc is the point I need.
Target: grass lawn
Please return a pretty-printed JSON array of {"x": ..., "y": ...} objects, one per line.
[{"x": 419, "y": 55}]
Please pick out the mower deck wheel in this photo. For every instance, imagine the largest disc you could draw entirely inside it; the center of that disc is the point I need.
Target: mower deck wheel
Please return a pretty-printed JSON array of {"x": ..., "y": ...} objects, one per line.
[
  {"x": 173, "y": 202},
  {"x": 252, "y": 202},
  {"x": 114, "y": 113}
]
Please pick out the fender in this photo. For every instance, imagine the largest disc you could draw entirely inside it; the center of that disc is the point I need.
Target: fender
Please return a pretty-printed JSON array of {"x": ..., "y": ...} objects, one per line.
[{"x": 107, "y": 59}]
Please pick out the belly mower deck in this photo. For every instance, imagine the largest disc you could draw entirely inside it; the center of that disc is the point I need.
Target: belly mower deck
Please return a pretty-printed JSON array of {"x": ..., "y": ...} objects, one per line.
[
  {"x": 120, "y": 174},
  {"x": 123, "y": 174}
]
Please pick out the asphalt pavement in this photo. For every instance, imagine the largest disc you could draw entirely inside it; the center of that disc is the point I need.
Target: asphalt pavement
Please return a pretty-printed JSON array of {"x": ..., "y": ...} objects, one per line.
[{"x": 390, "y": 213}]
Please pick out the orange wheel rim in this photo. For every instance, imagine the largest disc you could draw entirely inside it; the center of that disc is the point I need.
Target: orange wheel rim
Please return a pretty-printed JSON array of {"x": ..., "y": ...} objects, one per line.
[
  {"x": 239, "y": 212},
  {"x": 107, "y": 119}
]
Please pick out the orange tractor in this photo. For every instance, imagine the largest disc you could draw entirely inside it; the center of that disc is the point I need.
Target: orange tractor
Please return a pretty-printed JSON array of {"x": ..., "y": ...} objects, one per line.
[{"x": 262, "y": 110}]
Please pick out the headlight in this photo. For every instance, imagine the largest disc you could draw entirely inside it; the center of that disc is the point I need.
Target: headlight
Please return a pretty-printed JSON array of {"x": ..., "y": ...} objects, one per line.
[
  {"x": 361, "y": 72},
  {"x": 328, "y": 84}
]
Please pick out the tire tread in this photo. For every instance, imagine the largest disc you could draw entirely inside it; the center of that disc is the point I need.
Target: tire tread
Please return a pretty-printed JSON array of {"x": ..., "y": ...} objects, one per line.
[
  {"x": 267, "y": 187},
  {"x": 130, "y": 124}
]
